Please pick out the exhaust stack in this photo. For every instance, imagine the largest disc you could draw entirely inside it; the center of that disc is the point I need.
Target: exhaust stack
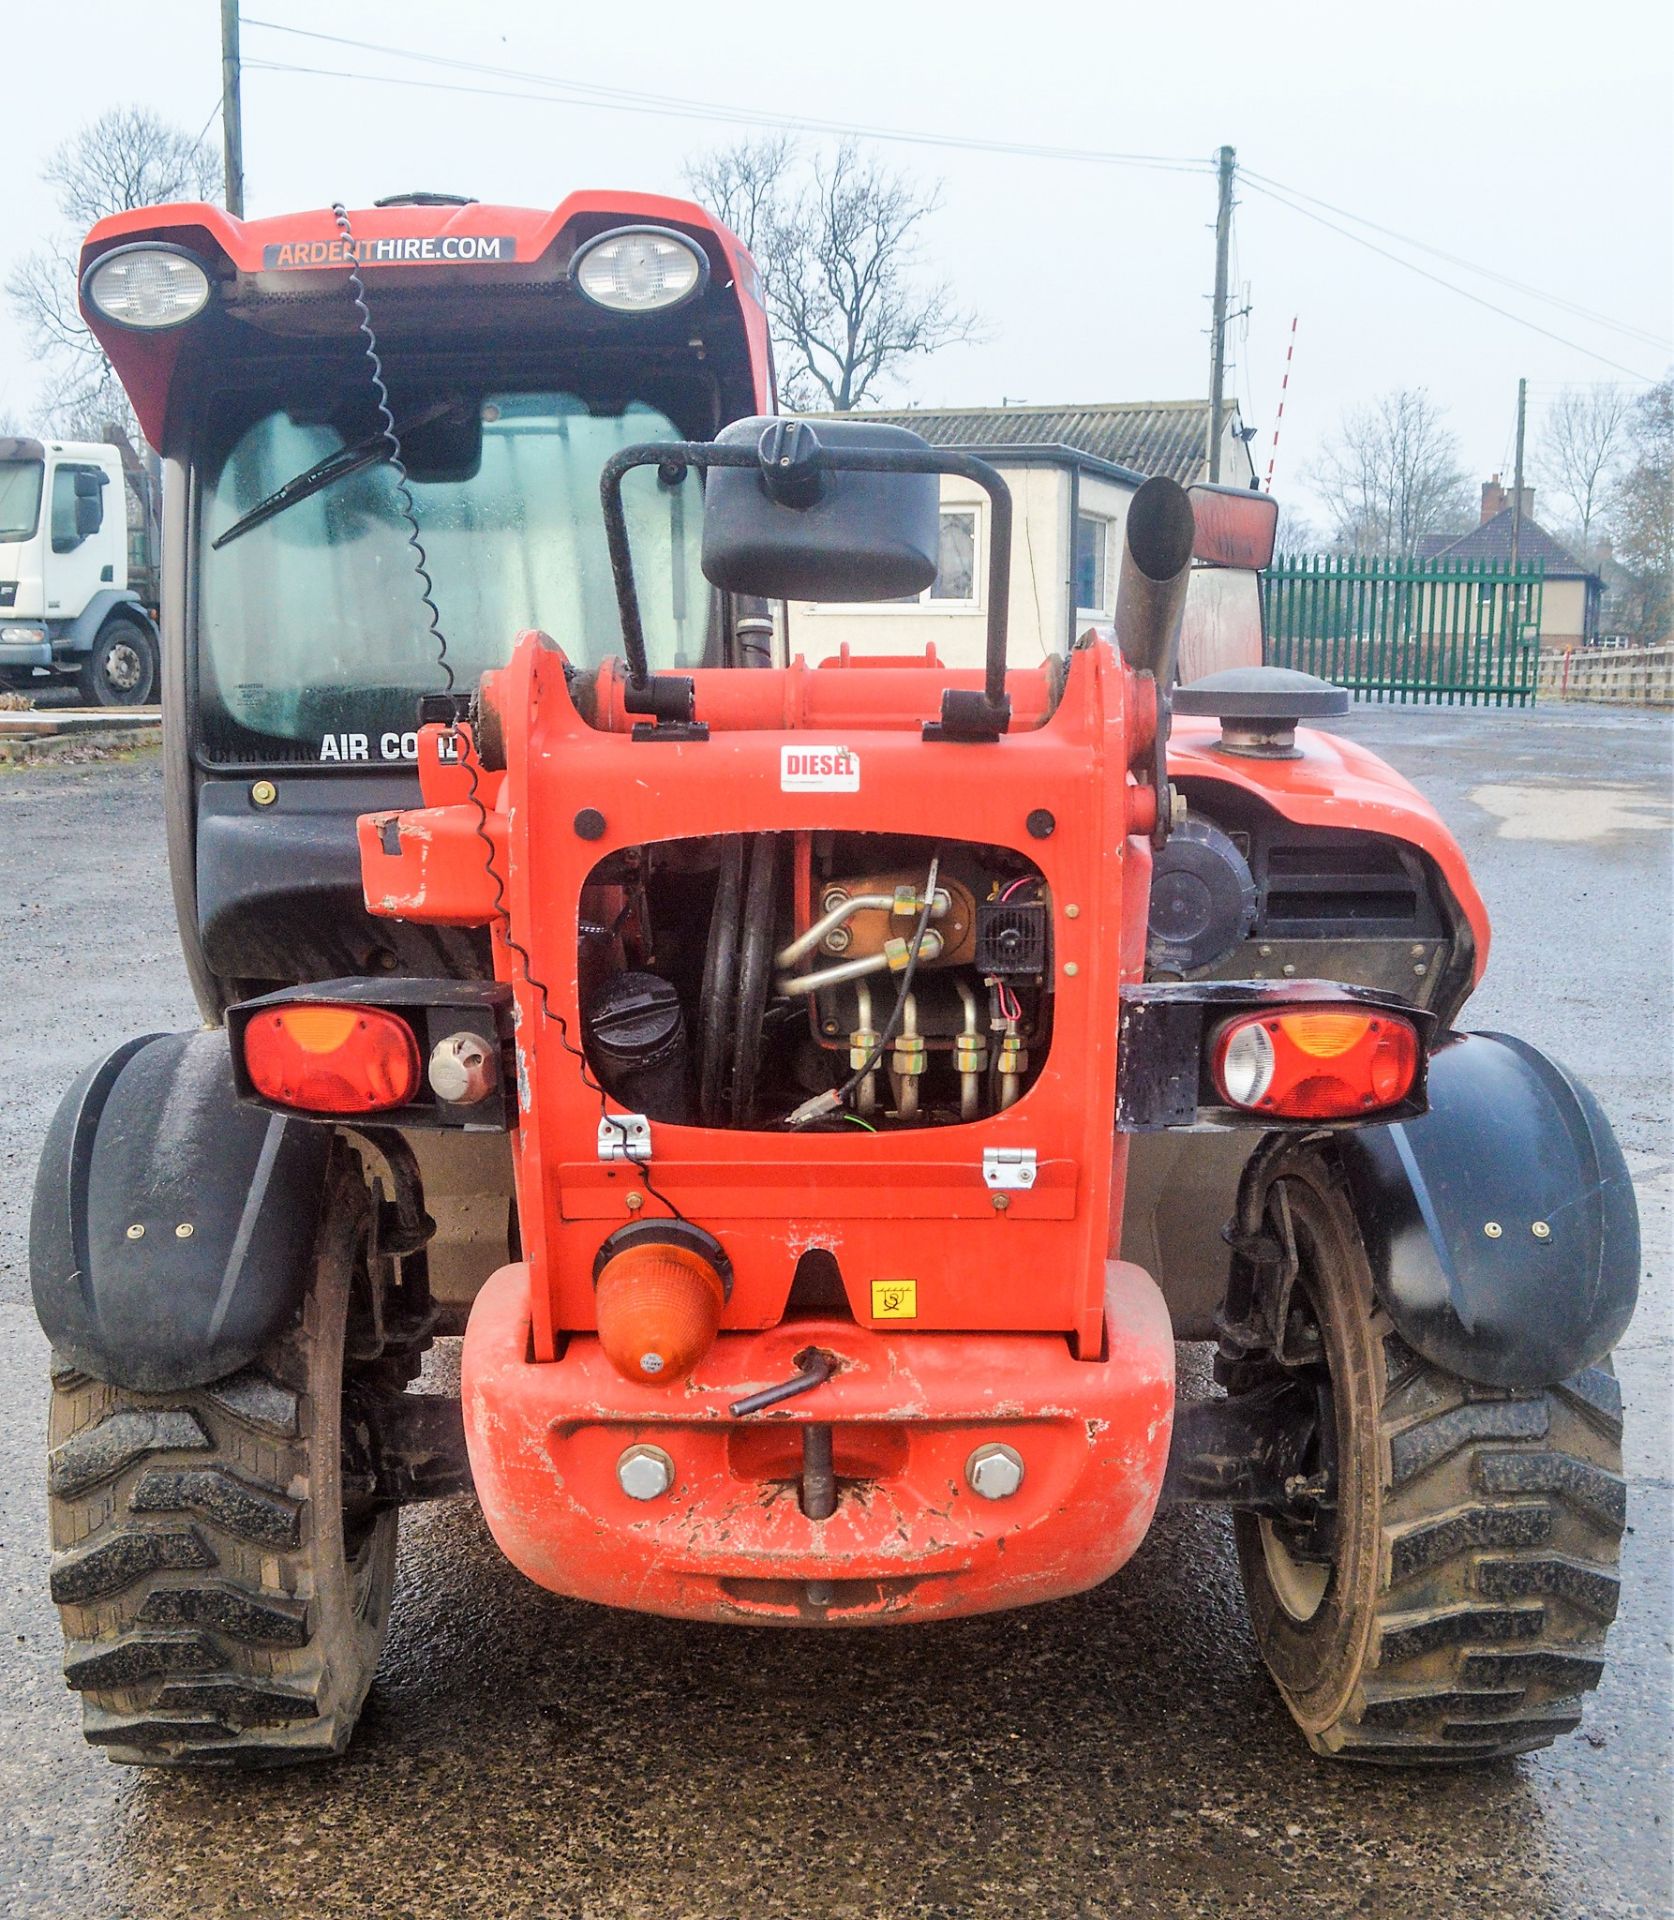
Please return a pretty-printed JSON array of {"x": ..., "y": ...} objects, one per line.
[
  {"x": 1150, "y": 600},
  {"x": 1151, "y": 594}
]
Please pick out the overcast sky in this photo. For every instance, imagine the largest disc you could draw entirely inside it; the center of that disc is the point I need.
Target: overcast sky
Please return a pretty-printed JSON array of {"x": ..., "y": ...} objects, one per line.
[{"x": 1531, "y": 140}]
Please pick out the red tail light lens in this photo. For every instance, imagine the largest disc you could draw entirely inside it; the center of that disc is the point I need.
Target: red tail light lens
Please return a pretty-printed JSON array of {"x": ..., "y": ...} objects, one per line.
[
  {"x": 1315, "y": 1065},
  {"x": 332, "y": 1059}
]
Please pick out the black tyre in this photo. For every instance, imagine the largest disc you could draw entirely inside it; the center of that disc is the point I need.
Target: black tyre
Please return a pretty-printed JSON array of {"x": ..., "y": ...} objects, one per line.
[
  {"x": 223, "y": 1600},
  {"x": 121, "y": 670},
  {"x": 1460, "y": 1610}
]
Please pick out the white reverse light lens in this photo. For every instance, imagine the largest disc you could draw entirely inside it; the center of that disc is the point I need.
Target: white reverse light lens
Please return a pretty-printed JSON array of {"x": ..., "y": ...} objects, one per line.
[
  {"x": 1247, "y": 1065},
  {"x": 639, "y": 270},
  {"x": 148, "y": 287}
]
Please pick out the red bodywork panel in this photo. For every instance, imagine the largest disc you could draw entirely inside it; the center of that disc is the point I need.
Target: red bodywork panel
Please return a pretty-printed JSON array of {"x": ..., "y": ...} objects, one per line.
[
  {"x": 770, "y": 1196},
  {"x": 1335, "y": 783},
  {"x": 281, "y": 256},
  {"x": 730, "y": 1541}
]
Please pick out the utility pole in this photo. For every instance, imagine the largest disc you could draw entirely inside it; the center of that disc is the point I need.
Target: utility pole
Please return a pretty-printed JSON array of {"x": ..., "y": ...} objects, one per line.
[
  {"x": 1226, "y": 162},
  {"x": 232, "y": 115}
]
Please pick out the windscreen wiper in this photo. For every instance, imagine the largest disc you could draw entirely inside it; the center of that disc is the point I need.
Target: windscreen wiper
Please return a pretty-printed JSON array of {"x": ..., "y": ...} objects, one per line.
[{"x": 335, "y": 466}]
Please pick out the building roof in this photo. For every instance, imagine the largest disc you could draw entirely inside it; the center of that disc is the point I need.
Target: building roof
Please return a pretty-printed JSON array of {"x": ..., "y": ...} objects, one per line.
[
  {"x": 1146, "y": 436},
  {"x": 1492, "y": 541}
]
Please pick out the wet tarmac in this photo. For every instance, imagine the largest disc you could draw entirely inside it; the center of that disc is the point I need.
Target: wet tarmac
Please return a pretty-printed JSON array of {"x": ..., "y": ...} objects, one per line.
[{"x": 1119, "y": 1753}]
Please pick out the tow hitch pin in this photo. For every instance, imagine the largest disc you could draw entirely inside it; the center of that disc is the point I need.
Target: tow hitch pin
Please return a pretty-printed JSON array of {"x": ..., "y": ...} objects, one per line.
[{"x": 813, "y": 1369}]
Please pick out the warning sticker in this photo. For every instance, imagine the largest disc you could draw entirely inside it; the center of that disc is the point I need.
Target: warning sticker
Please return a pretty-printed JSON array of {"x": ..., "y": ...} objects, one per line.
[
  {"x": 894, "y": 1299},
  {"x": 818, "y": 770},
  {"x": 409, "y": 250}
]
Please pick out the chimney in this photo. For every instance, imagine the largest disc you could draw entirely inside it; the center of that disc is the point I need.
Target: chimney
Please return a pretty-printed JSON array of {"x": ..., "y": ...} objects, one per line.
[{"x": 1495, "y": 499}]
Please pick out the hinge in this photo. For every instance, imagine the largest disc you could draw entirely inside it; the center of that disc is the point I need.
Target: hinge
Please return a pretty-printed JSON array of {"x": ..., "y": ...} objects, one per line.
[
  {"x": 625, "y": 1136},
  {"x": 1008, "y": 1169}
]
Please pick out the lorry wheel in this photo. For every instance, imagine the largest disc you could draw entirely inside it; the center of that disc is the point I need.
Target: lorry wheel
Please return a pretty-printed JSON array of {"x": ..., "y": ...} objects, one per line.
[
  {"x": 121, "y": 670},
  {"x": 1460, "y": 1612},
  {"x": 224, "y": 1591}
]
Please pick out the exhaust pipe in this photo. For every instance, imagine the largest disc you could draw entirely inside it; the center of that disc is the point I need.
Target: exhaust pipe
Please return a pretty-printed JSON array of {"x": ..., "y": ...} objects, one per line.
[
  {"x": 1156, "y": 564},
  {"x": 1150, "y": 600}
]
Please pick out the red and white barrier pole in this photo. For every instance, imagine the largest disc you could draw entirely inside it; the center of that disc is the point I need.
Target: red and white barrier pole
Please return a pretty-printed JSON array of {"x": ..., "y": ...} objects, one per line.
[{"x": 1278, "y": 418}]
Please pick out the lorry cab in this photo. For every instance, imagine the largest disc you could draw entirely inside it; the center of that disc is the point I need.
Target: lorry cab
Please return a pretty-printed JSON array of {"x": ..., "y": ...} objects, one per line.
[{"x": 68, "y": 604}]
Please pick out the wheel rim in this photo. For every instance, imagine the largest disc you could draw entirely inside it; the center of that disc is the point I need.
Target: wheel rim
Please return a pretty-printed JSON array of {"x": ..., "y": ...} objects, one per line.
[
  {"x": 1299, "y": 1586},
  {"x": 124, "y": 668},
  {"x": 1301, "y": 1582}
]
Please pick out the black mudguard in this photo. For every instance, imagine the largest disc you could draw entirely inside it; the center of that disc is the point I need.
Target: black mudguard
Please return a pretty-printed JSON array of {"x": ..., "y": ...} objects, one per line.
[
  {"x": 173, "y": 1228},
  {"x": 1501, "y": 1226}
]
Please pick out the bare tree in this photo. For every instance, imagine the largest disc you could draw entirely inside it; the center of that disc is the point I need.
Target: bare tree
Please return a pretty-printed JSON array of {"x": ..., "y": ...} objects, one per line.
[
  {"x": 1296, "y": 533},
  {"x": 1391, "y": 475},
  {"x": 1581, "y": 438},
  {"x": 126, "y": 158},
  {"x": 838, "y": 245},
  {"x": 1641, "y": 508},
  {"x": 744, "y": 186}
]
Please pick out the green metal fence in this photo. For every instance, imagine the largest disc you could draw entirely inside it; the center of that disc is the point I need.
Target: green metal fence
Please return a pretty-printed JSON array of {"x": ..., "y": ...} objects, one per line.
[{"x": 1457, "y": 632}]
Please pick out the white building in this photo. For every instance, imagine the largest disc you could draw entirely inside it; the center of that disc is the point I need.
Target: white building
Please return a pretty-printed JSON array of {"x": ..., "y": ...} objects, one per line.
[{"x": 1070, "y": 495}]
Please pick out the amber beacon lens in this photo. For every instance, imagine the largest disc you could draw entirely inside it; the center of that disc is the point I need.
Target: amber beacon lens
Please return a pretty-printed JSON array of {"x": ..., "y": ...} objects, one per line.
[{"x": 658, "y": 1309}]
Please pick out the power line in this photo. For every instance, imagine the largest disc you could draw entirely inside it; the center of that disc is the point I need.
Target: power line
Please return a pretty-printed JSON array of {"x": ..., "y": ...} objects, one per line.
[
  {"x": 1464, "y": 293},
  {"x": 564, "y": 91},
  {"x": 633, "y": 100},
  {"x": 1459, "y": 260}
]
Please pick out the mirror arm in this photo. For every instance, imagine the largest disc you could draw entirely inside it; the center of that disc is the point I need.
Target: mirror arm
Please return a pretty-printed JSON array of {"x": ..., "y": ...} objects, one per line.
[{"x": 965, "y": 716}]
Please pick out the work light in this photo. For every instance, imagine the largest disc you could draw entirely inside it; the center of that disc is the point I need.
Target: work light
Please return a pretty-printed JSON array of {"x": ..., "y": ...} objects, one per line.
[
  {"x": 640, "y": 269},
  {"x": 147, "y": 287}
]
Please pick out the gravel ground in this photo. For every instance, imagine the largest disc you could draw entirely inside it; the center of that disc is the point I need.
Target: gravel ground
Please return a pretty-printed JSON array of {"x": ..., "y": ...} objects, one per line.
[{"x": 1119, "y": 1753}]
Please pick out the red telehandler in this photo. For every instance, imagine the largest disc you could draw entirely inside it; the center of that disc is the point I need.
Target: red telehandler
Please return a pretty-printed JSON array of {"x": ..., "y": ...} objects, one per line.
[{"x": 820, "y": 1095}]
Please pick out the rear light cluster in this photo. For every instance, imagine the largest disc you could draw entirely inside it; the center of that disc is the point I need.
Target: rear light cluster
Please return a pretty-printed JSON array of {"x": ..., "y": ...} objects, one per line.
[
  {"x": 332, "y": 1059},
  {"x": 1314, "y": 1065}
]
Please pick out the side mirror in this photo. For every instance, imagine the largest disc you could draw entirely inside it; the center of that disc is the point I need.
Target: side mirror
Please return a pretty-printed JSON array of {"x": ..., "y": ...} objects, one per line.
[
  {"x": 789, "y": 528},
  {"x": 1236, "y": 526},
  {"x": 90, "y": 504}
]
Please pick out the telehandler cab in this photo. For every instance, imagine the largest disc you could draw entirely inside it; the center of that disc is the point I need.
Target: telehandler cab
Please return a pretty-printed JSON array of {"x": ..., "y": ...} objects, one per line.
[{"x": 820, "y": 1094}]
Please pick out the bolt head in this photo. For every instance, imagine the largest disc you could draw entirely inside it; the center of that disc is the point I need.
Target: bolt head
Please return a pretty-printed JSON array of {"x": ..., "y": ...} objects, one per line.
[
  {"x": 1492, "y": 1229},
  {"x": 994, "y": 1471},
  {"x": 645, "y": 1473},
  {"x": 264, "y": 793},
  {"x": 136, "y": 1231},
  {"x": 1541, "y": 1230},
  {"x": 184, "y": 1231}
]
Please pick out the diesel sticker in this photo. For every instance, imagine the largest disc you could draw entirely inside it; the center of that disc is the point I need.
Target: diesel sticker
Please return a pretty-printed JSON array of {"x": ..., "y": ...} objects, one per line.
[
  {"x": 818, "y": 770},
  {"x": 414, "y": 250}
]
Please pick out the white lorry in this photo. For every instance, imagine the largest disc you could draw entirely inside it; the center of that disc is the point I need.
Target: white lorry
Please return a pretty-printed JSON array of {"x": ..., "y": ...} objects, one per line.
[{"x": 77, "y": 587}]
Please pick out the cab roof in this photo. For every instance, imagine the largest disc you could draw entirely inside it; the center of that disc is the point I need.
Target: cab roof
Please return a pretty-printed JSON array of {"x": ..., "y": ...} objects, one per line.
[{"x": 423, "y": 265}]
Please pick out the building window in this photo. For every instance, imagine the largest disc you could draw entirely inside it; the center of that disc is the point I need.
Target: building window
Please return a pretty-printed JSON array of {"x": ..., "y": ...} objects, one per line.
[
  {"x": 1092, "y": 569},
  {"x": 956, "y": 567}
]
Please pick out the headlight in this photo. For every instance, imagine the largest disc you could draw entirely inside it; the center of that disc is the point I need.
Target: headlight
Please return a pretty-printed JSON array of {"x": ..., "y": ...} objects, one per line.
[
  {"x": 147, "y": 287},
  {"x": 640, "y": 269},
  {"x": 22, "y": 636}
]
